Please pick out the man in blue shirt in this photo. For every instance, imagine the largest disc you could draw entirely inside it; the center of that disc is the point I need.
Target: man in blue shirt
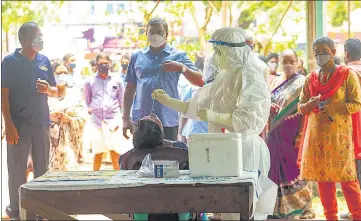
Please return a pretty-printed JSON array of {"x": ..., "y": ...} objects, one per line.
[
  {"x": 26, "y": 82},
  {"x": 156, "y": 67}
]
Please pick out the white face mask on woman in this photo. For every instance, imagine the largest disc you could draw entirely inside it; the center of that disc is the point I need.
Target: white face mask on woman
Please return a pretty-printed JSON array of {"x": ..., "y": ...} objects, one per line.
[
  {"x": 272, "y": 66},
  {"x": 323, "y": 59},
  {"x": 60, "y": 79},
  {"x": 156, "y": 40},
  {"x": 289, "y": 69}
]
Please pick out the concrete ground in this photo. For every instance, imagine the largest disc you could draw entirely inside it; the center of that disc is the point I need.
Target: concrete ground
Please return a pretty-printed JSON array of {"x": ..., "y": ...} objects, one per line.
[{"x": 87, "y": 166}]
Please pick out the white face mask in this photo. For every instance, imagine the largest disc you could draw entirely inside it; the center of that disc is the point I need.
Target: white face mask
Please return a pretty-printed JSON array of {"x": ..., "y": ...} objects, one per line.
[
  {"x": 323, "y": 59},
  {"x": 61, "y": 79},
  {"x": 156, "y": 40},
  {"x": 289, "y": 69},
  {"x": 272, "y": 66},
  {"x": 37, "y": 44}
]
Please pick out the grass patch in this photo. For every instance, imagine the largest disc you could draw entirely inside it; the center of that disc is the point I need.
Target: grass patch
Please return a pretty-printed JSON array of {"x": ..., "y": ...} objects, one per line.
[{"x": 317, "y": 205}]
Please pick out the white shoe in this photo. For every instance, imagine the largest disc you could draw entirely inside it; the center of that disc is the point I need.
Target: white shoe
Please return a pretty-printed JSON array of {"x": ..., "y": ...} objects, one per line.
[{"x": 346, "y": 215}]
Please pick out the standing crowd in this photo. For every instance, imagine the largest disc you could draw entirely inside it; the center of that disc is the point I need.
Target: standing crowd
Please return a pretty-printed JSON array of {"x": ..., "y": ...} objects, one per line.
[{"x": 297, "y": 127}]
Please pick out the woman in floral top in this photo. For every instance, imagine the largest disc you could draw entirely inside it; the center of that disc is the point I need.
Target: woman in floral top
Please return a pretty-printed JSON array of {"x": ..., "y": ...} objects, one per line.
[{"x": 328, "y": 99}]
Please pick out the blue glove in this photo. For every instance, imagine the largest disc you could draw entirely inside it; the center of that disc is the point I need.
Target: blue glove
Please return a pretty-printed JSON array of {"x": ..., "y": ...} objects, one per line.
[{"x": 180, "y": 144}]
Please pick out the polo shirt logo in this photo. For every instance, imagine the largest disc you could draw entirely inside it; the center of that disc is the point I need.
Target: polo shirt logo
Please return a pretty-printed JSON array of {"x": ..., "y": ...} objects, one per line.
[{"x": 43, "y": 68}]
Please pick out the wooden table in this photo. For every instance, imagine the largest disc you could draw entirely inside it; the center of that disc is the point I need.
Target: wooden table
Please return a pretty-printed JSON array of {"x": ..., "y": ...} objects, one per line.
[{"x": 55, "y": 204}]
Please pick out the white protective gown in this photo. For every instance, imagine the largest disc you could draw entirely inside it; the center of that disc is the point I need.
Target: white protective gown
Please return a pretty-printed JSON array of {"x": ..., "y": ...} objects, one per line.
[
  {"x": 241, "y": 90},
  {"x": 247, "y": 97}
]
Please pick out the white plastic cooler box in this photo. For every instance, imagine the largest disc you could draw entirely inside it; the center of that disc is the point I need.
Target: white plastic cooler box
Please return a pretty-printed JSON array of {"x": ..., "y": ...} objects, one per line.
[{"x": 215, "y": 154}]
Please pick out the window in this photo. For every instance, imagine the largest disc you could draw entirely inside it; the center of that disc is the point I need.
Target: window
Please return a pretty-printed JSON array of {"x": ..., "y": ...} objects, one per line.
[
  {"x": 110, "y": 8},
  {"x": 120, "y": 6},
  {"x": 92, "y": 9}
]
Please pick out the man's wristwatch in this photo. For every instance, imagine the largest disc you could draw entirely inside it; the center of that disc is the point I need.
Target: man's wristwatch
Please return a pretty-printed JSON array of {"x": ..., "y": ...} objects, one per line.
[{"x": 184, "y": 68}]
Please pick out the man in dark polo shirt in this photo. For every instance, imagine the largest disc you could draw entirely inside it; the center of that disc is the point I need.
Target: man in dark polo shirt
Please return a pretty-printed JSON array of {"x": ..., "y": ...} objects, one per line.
[{"x": 26, "y": 82}]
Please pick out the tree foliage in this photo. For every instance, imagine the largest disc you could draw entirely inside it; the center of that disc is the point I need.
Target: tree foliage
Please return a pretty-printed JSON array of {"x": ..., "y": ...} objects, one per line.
[
  {"x": 15, "y": 13},
  {"x": 277, "y": 13},
  {"x": 337, "y": 11}
]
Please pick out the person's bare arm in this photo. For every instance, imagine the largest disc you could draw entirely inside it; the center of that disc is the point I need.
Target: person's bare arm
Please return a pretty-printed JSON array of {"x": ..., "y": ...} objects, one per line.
[
  {"x": 12, "y": 135},
  {"x": 128, "y": 99},
  {"x": 61, "y": 91},
  {"x": 192, "y": 74},
  {"x": 44, "y": 87},
  {"x": 182, "y": 122},
  {"x": 127, "y": 105},
  {"x": 194, "y": 77},
  {"x": 5, "y": 106},
  {"x": 167, "y": 143},
  {"x": 53, "y": 92}
]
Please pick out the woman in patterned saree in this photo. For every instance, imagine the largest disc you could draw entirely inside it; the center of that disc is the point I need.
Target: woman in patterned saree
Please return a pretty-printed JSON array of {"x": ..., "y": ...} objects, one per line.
[
  {"x": 294, "y": 195},
  {"x": 67, "y": 124}
]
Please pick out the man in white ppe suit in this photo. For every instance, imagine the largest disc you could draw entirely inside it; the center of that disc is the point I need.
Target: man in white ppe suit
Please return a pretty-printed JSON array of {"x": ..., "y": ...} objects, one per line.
[{"x": 238, "y": 100}]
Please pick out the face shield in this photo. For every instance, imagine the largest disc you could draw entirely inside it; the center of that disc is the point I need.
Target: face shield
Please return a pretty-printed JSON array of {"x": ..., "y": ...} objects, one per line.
[
  {"x": 209, "y": 71},
  {"x": 226, "y": 51},
  {"x": 228, "y": 56}
]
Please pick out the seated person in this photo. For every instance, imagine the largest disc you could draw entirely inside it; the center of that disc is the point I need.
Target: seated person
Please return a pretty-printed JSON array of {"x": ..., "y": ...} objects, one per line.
[{"x": 149, "y": 134}]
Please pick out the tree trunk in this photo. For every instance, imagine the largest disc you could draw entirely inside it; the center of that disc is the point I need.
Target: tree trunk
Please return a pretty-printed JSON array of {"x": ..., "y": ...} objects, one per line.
[
  {"x": 7, "y": 41},
  {"x": 230, "y": 13},
  {"x": 147, "y": 17},
  {"x": 201, "y": 35},
  {"x": 224, "y": 14},
  {"x": 268, "y": 45}
]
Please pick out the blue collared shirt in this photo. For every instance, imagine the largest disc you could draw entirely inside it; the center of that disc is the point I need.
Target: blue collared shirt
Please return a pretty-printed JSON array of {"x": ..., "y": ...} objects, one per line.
[
  {"x": 19, "y": 75},
  {"x": 142, "y": 71}
]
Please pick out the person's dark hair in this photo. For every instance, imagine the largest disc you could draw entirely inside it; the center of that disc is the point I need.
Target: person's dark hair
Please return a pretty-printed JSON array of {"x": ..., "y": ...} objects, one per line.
[
  {"x": 156, "y": 20},
  {"x": 336, "y": 60},
  {"x": 353, "y": 48},
  {"x": 147, "y": 135},
  {"x": 56, "y": 64},
  {"x": 102, "y": 55},
  {"x": 199, "y": 63},
  {"x": 272, "y": 55},
  {"x": 25, "y": 28},
  {"x": 262, "y": 58},
  {"x": 93, "y": 63},
  {"x": 324, "y": 40},
  {"x": 67, "y": 56},
  {"x": 126, "y": 56}
]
